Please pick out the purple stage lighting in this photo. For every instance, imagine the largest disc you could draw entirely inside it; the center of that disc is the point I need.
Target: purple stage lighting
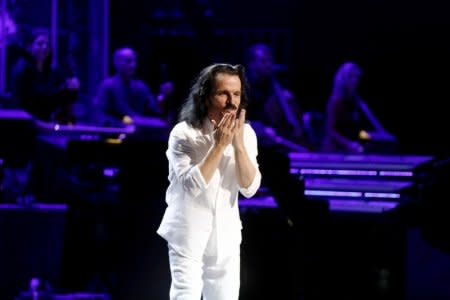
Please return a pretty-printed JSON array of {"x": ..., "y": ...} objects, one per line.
[
  {"x": 110, "y": 172},
  {"x": 382, "y": 195},
  {"x": 396, "y": 173},
  {"x": 361, "y": 206},
  {"x": 333, "y": 193},
  {"x": 335, "y": 172}
]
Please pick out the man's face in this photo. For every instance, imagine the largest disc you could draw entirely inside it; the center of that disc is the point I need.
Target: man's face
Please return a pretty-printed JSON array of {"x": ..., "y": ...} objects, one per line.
[
  {"x": 262, "y": 64},
  {"x": 226, "y": 96},
  {"x": 126, "y": 62},
  {"x": 40, "y": 48}
]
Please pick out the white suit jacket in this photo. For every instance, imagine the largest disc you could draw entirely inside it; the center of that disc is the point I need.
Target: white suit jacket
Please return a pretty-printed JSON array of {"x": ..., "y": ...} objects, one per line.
[{"x": 195, "y": 208}]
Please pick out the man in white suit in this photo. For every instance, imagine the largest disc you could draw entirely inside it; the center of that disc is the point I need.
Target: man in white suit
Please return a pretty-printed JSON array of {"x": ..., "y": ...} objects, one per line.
[{"x": 212, "y": 157}]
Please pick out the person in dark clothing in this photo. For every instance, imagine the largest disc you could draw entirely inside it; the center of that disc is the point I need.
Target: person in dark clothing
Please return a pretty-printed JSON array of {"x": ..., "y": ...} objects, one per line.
[
  {"x": 274, "y": 107},
  {"x": 351, "y": 126},
  {"x": 122, "y": 98},
  {"x": 40, "y": 88}
]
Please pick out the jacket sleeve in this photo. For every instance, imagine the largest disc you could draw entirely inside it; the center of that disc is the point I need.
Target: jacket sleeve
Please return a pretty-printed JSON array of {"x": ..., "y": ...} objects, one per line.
[
  {"x": 181, "y": 156},
  {"x": 251, "y": 144}
]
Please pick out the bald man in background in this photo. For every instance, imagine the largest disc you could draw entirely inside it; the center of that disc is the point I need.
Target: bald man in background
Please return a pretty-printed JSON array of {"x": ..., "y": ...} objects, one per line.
[{"x": 122, "y": 97}]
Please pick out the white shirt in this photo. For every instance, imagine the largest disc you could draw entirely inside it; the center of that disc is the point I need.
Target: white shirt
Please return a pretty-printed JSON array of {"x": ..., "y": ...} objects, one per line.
[{"x": 196, "y": 208}]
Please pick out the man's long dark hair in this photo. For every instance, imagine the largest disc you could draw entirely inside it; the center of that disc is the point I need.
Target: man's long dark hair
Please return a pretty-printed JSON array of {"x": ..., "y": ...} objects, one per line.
[{"x": 195, "y": 108}]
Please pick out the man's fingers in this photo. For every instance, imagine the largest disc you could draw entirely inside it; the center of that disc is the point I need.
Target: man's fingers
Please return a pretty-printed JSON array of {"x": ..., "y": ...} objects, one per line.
[
  {"x": 222, "y": 121},
  {"x": 242, "y": 117},
  {"x": 229, "y": 121}
]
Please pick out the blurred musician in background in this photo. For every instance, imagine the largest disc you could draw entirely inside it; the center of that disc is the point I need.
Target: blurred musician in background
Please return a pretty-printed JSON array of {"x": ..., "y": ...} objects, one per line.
[
  {"x": 41, "y": 88},
  {"x": 350, "y": 125},
  {"x": 273, "y": 106},
  {"x": 122, "y": 99}
]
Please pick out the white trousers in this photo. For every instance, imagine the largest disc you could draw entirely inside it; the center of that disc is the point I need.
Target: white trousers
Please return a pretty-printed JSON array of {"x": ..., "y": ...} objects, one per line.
[{"x": 215, "y": 279}]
